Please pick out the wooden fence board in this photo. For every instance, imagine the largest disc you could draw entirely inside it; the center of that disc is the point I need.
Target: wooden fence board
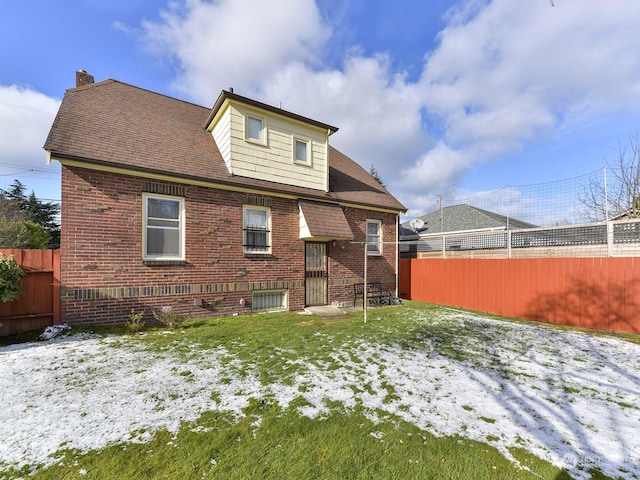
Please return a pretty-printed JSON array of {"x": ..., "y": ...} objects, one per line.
[
  {"x": 39, "y": 302},
  {"x": 590, "y": 292}
]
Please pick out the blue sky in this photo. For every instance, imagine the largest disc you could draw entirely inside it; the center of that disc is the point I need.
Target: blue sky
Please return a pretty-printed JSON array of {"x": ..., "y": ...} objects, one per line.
[{"x": 443, "y": 97}]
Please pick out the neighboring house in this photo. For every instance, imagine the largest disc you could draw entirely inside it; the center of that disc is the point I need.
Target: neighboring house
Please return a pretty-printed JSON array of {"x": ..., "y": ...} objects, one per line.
[
  {"x": 631, "y": 213},
  {"x": 460, "y": 218},
  {"x": 421, "y": 234},
  {"x": 241, "y": 208},
  {"x": 626, "y": 229}
]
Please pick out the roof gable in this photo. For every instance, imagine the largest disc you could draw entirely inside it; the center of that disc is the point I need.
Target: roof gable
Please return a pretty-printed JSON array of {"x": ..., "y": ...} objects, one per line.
[
  {"x": 281, "y": 147},
  {"x": 115, "y": 125}
]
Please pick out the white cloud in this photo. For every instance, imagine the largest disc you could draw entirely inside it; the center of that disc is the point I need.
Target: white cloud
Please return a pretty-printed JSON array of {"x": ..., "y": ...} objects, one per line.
[
  {"x": 506, "y": 72},
  {"x": 503, "y": 74},
  {"x": 25, "y": 119},
  {"x": 378, "y": 112},
  {"x": 436, "y": 168},
  {"x": 273, "y": 51},
  {"x": 239, "y": 43}
]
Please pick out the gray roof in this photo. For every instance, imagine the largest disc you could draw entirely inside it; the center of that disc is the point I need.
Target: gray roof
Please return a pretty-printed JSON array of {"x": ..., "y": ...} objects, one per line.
[{"x": 460, "y": 218}]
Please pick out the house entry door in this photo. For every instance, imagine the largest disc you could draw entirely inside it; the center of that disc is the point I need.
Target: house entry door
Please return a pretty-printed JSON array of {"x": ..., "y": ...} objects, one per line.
[{"x": 316, "y": 274}]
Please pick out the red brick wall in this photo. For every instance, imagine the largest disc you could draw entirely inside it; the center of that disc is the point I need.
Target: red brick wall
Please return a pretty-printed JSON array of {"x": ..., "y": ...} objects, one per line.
[
  {"x": 346, "y": 258},
  {"x": 103, "y": 275}
]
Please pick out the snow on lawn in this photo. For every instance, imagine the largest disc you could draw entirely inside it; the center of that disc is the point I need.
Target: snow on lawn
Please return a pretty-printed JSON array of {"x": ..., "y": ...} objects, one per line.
[{"x": 571, "y": 398}]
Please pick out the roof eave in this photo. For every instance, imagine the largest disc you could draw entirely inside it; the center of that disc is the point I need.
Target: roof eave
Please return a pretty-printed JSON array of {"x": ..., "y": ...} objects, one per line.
[
  {"x": 229, "y": 96},
  {"x": 276, "y": 189}
]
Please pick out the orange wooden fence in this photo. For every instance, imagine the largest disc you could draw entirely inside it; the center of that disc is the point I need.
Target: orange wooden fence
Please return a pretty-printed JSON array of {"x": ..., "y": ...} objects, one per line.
[
  {"x": 602, "y": 293},
  {"x": 39, "y": 302}
]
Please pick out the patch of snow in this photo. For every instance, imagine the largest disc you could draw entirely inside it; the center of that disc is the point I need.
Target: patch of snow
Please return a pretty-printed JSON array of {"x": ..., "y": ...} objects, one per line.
[{"x": 570, "y": 398}]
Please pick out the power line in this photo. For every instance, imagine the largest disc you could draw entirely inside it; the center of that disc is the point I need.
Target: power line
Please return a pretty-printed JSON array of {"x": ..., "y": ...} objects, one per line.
[
  {"x": 51, "y": 114},
  {"x": 13, "y": 174},
  {"x": 10, "y": 165}
]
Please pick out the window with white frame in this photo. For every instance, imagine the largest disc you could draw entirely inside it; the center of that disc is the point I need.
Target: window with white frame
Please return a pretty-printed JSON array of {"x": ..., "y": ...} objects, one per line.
[
  {"x": 374, "y": 237},
  {"x": 163, "y": 236},
  {"x": 301, "y": 151},
  {"x": 255, "y": 129},
  {"x": 257, "y": 229}
]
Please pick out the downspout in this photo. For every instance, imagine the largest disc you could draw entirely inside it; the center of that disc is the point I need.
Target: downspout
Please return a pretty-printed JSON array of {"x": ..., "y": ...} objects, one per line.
[
  {"x": 326, "y": 157},
  {"x": 397, "y": 242}
]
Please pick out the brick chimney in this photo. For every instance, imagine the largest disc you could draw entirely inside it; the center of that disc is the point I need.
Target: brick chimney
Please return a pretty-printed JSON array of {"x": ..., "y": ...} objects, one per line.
[{"x": 83, "y": 78}]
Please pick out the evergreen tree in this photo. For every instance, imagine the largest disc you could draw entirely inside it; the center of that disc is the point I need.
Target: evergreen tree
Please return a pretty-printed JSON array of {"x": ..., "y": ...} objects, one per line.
[
  {"x": 25, "y": 221},
  {"x": 375, "y": 174},
  {"x": 16, "y": 195}
]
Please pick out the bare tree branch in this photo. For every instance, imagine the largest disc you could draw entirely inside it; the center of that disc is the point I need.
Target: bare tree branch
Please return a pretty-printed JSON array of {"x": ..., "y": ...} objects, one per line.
[{"x": 620, "y": 196}]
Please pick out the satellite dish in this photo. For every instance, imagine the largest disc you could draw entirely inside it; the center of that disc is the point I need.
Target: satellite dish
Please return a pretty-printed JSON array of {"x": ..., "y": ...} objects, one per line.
[{"x": 416, "y": 223}]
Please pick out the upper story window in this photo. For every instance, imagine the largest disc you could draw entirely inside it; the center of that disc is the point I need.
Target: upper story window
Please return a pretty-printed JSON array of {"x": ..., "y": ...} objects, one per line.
[
  {"x": 374, "y": 237},
  {"x": 163, "y": 237},
  {"x": 255, "y": 129},
  {"x": 301, "y": 151},
  {"x": 257, "y": 229}
]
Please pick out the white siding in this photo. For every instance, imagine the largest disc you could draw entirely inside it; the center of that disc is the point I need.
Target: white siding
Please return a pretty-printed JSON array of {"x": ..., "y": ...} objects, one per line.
[
  {"x": 222, "y": 135},
  {"x": 273, "y": 161}
]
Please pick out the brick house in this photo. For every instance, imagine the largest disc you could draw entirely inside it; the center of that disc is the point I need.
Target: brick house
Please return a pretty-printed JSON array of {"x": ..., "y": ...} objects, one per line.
[{"x": 240, "y": 208}]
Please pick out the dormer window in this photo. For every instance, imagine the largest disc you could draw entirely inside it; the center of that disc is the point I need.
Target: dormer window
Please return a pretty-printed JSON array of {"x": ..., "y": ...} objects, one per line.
[
  {"x": 301, "y": 151},
  {"x": 263, "y": 142},
  {"x": 255, "y": 129}
]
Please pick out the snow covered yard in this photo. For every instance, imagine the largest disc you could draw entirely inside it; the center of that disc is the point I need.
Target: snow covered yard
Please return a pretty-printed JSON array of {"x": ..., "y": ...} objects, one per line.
[{"x": 567, "y": 397}]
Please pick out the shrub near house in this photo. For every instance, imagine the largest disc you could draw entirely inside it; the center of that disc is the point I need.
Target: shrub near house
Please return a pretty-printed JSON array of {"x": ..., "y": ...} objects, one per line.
[
  {"x": 240, "y": 208},
  {"x": 10, "y": 279}
]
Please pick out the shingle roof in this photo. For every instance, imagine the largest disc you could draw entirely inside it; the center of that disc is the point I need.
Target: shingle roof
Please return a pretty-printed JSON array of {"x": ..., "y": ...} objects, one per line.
[
  {"x": 462, "y": 217},
  {"x": 111, "y": 123},
  {"x": 326, "y": 221}
]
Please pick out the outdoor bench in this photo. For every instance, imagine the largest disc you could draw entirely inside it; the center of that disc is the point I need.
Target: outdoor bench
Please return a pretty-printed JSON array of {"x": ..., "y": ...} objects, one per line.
[{"x": 374, "y": 291}]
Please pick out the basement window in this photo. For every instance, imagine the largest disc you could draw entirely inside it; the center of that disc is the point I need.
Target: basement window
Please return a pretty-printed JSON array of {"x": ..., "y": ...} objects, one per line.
[{"x": 263, "y": 301}]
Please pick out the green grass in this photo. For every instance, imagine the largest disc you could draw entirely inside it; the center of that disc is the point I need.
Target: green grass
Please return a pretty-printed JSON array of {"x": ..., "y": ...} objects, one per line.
[
  {"x": 271, "y": 443},
  {"x": 287, "y": 446},
  {"x": 488, "y": 420}
]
